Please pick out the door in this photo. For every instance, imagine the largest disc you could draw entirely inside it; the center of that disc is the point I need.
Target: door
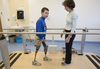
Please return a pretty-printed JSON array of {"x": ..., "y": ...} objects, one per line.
[{"x": 0, "y": 28}]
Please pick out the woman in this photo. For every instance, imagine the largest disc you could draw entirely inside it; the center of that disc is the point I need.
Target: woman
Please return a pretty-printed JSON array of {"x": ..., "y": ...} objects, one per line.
[{"x": 71, "y": 23}]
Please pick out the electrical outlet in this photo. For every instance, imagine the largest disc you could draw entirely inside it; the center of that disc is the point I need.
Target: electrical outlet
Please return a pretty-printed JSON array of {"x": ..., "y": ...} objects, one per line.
[
  {"x": 32, "y": 21},
  {"x": 8, "y": 19}
]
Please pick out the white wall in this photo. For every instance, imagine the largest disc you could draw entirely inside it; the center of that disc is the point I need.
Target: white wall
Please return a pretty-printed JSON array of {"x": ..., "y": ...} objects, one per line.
[
  {"x": 5, "y": 17},
  {"x": 2, "y": 15},
  {"x": 88, "y": 10}
]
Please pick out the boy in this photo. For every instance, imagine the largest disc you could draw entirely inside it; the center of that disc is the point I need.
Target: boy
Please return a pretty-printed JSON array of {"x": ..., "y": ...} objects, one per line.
[{"x": 40, "y": 38}]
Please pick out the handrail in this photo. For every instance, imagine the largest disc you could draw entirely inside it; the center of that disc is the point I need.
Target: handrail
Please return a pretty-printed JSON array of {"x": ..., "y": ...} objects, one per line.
[
  {"x": 85, "y": 33},
  {"x": 51, "y": 29}
]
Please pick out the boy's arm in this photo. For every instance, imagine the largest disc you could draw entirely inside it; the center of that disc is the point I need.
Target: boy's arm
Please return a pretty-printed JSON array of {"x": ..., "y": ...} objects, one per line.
[{"x": 39, "y": 29}]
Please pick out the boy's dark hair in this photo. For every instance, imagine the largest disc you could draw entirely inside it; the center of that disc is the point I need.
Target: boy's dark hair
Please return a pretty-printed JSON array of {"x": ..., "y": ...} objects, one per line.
[
  {"x": 43, "y": 9},
  {"x": 69, "y": 3}
]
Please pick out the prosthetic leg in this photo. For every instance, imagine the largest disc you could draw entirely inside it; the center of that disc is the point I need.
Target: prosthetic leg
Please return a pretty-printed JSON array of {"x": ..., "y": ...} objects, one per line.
[
  {"x": 45, "y": 48},
  {"x": 35, "y": 62},
  {"x": 45, "y": 51},
  {"x": 38, "y": 44}
]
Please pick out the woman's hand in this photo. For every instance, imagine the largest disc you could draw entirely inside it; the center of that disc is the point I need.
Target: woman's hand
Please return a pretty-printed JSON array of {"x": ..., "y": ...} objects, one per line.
[
  {"x": 44, "y": 40},
  {"x": 67, "y": 40},
  {"x": 61, "y": 35}
]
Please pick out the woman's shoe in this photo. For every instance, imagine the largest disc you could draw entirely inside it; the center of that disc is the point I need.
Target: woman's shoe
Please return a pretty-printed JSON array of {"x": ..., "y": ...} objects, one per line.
[{"x": 64, "y": 64}]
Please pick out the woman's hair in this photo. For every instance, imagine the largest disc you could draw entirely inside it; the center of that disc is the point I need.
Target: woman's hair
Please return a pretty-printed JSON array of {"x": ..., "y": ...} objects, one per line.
[{"x": 69, "y": 3}]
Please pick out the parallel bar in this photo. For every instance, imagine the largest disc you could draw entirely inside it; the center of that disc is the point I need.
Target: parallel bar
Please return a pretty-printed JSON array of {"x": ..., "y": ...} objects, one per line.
[
  {"x": 93, "y": 62},
  {"x": 83, "y": 41},
  {"x": 5, "y": 54},
  {"x": 87, "y": 33},
  {"x": 96, "y": 59},
  {"x": 24, "y": 42},
  {"x": 52, "y": 29},
  {"x": 35, "y": 29}
]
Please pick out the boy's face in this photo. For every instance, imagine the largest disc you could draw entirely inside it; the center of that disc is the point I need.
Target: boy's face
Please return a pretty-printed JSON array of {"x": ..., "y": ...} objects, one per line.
[{"x": 45, "y": 14}]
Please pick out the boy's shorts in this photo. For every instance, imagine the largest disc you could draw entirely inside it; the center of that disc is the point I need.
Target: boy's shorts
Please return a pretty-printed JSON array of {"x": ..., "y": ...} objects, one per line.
[{"x": 38, "y": 43}]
